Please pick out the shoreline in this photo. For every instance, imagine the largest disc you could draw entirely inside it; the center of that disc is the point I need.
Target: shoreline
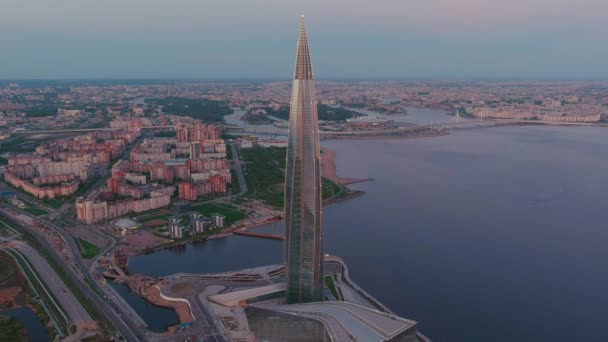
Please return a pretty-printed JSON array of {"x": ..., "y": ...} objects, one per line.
[{"x": 328, "y": 171}]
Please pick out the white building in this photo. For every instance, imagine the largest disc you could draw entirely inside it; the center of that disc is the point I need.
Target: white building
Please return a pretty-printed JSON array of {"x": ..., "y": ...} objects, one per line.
[
  {"x": 177, "y": 231},
  {"x": 218, "y": 220}
]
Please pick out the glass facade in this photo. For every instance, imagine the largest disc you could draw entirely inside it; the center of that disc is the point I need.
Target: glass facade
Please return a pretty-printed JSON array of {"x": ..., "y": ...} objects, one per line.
[
  {"x": 303, "y": 232},
  {"x": 275, "y": 326}
]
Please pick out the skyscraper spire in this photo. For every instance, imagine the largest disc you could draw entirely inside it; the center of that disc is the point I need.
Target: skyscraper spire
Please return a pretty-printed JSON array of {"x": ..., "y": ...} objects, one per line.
[
  {"x": 303, "y": 69},
  {"x": 303, "y": 233}
]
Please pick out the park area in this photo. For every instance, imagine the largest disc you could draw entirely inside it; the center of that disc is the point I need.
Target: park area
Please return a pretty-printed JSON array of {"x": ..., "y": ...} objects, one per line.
[
  {"x": 231, "y": 213},
  {"x": 265, "y": 176},
  {"x": 87, "y": 249}
]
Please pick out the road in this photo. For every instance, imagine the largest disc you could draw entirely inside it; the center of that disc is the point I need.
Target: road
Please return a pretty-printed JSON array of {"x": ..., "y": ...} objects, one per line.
[
  {"x": 237, "y": 163},
  {"x": 207, "y": 323},
  {"x": 68, "y": 209},
  {"x": 68, "y": 302},
  {"x": 392, "y": 132},
  {"x": 25, "y": 198},
  {"x": 85, "y": 276},
  {"x": 100, "y": 129},
  {"x": 75, "y": 274},
  {"x": 211, "y": 330},
  {"x": 115, "y": 310}
]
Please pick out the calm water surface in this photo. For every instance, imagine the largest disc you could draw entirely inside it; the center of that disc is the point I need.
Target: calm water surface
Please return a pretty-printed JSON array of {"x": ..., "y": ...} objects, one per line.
[
  {"x": 157, "y": 318},
  {"x": 494, "y": 234},
  {"x": 34, "y": 328}
]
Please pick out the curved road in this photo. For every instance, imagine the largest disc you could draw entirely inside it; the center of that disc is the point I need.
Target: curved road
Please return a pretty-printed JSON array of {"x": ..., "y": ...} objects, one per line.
[
  {"x": 69, "y": 303},
  {"x": 111, "y": 312}
]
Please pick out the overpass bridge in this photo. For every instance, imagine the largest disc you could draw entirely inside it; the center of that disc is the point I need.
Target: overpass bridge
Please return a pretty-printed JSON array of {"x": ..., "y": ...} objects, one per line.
[
  {"x": 398, "y": 131},
  {"x": 237, "y": 130},
  {"x": 78, "y": 130},
  {"x": 386, "y": 132}
]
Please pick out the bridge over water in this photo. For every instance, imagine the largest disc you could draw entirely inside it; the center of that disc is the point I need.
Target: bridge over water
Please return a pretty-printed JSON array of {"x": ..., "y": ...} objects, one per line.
[
  {"x": 398, "y": 131},
  {"x": 386, "y": 132}
]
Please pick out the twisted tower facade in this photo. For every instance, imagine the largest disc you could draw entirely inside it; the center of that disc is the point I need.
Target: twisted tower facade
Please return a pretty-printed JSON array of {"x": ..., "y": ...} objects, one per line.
[{"x": 303, "y": 247}]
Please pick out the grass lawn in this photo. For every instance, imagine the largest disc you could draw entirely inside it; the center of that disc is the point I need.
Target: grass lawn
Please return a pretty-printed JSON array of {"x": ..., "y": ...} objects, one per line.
[
  {"x": 87, "y": 249},
  {"x": 235, "y": 185},
  {"x": 85, "y": 186},
  {"x": 36, "y": 211},
  {"x": 54, "y": 263},
  {"x": 329, "y": 283},
  {"x": 147, "y": 212},
  {"x": 265, "y": 176},
  {"x": 232, "y": 214},
  {"x": 165, "y": 134},
  {"x": 18, "y": 144},
  {"x": 8, "y": 271},
  {"x": 265, "y": 173},
  {"x": 11, "y": 330},
  {"x": 82, "y": 188},
  {"x": 156, "y": 217},
  {"x": 332, "y": 190},
  {"x": 325, "y": 113},
  {"x": 203, "y": 109},
  {"x": 54, "y": 202},
  {"x": 51, "y": 202}
]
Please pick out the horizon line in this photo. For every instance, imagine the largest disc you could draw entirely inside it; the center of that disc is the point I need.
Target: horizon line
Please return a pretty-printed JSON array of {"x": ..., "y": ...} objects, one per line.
[{"x": 287, "y": 79}]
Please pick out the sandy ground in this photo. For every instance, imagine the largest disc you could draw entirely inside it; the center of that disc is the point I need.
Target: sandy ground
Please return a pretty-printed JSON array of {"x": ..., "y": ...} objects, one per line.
[
  {"x": 328, "y": 169},
  {"x": 141, "y": 239},
  {"x": 8, "y": 296}
]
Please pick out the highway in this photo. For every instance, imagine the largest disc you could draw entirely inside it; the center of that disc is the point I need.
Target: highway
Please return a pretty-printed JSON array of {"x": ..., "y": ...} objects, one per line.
[
  {"x": 68, "y": 302},
  {"x": 100, "y": 129},
  {"x": 76, "y": 275},
  {"x": 212, "y": 333},
  {"x": 362, "y": 133},
  {"x": 118, "y": 312}
]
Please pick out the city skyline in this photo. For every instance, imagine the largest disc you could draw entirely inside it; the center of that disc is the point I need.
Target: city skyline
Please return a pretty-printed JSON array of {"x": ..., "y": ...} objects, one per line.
[
  {"x": 385, "y": 40},
  {"x": 170, "y": 171}
]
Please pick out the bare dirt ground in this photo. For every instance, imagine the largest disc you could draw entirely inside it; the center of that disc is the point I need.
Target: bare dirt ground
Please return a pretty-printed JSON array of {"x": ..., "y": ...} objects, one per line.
[
  {"x": 328, "y": 169},
  {"x": 142, "y": 239},
  {"x": 8, "y": 296},
  {"x": 154, "y": 223},
  {"x": 183, "y": 289},
  {"x": 11, "y": 282}
]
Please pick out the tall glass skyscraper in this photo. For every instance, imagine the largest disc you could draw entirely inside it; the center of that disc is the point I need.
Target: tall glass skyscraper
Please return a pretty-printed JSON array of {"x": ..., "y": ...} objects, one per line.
[{"x": 303, "y": 233}]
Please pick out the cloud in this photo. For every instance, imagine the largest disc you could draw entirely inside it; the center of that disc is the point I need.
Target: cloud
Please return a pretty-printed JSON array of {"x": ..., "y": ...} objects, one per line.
[{"x": 349, "y": 38}]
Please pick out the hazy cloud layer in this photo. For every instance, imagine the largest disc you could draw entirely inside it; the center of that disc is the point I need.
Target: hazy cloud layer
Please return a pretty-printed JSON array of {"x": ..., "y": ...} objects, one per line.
[{"x": 349, "y": 39}]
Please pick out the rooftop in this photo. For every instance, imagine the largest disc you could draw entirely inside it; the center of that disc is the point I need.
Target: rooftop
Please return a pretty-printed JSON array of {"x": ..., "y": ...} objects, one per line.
[
  {"x": 125, "y": 224},
  {"x": 180, "y": 161},
  {"x": 233, "y": 298},
  {"x": 349, "y": 319}
]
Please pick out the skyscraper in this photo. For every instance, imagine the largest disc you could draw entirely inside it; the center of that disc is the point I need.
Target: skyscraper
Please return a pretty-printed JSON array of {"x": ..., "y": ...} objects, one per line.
[{"x": 303, "y": 233}]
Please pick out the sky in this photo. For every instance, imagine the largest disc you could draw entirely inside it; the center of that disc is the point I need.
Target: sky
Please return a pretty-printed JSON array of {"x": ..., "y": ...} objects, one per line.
[{"x": 349, "y": 39}]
